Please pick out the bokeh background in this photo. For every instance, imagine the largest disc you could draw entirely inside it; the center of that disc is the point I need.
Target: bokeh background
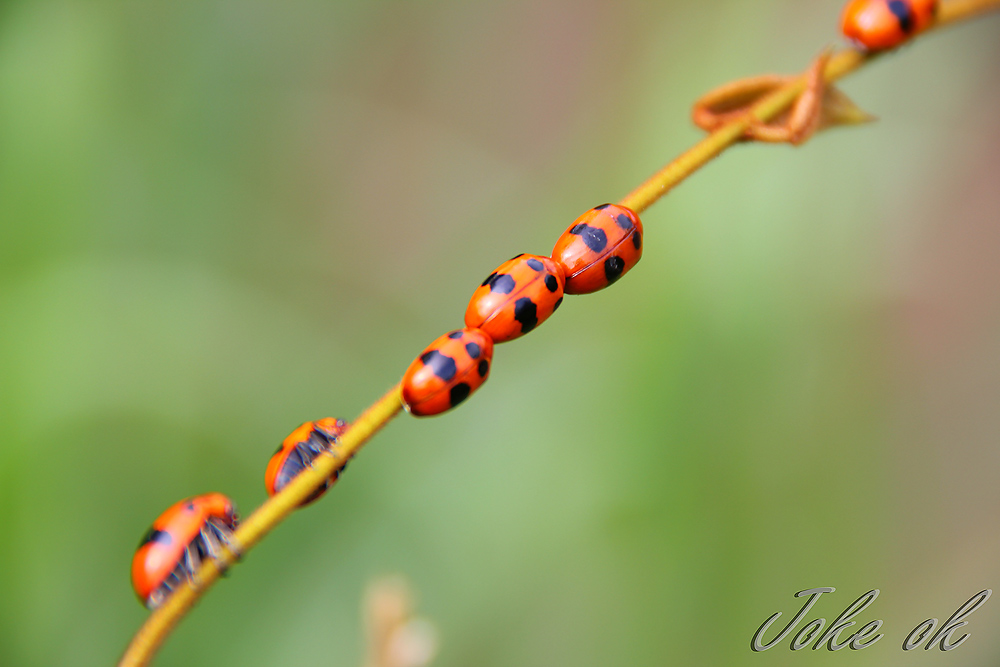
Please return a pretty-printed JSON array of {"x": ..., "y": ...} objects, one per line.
[{"x": 221, "y": 219}]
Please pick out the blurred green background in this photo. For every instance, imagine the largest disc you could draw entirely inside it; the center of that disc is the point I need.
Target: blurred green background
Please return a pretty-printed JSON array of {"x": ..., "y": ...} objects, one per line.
[{"x": 221, "y": 219}]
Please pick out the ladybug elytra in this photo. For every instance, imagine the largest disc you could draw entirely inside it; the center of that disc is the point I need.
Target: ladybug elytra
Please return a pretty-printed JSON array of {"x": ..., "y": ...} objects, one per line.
[
  {"x": 182, "y": 537},
  {"x": 599, "y": 248},
  {"x": 877, "y": 25},
  {"x": 447, "y": 372},
  {"x": 516, "y": 298},
  {"x": 297, "y": 452}
]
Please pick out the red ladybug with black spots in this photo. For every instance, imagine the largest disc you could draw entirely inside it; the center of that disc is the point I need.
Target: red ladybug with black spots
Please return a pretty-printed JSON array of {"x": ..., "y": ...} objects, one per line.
[
  {"x": 298, "y": 451},
  {"x": 516, "y": 298},
  {"x": 447, "y": 372},
  {"x": 179, "y": 540},
  {"x": 877, "y": 25},
  {"x": 600, "y": 247}
]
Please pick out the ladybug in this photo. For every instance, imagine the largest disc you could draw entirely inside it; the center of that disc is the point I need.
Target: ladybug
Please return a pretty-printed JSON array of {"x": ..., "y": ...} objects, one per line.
[
  {"x": 884, "y": 24},
  {"x": 451, "y": 368},
  {"x": 599, "y": 248},
  {"x": 179, "y": 540},
  {"x": 516, "y": 298},
  {"x": 298, "y": 451}
]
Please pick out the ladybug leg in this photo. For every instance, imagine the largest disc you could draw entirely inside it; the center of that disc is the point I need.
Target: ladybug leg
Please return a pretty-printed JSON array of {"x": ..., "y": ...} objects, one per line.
[
  {"x": 806, "y": 114},
  {"x": 210, "y": 539},
  {"x": 215, "y": 537},
  {"x": 191, "y": 561},
  {"x": 156, "y": 598}
]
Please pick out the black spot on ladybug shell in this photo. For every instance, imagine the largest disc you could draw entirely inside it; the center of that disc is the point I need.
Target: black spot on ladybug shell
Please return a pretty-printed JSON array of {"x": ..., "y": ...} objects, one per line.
[
  {"x": 558, "y": 303},
  {"x": 526, "y": 312},
  {"x": 903, "y": 14},
  {"x": 502, "y": 284},
  {"x": 551, "y": 283},
  {"x": 489, "y": 279},
  {"x": 459, "y": 393},
  {"x": 473, "y": 350},
  {"x": 514, "y": 257},
  {"x": 624, "y": 221},
  {"x": 158, "y": 536},
  {"x": 442, "y": 365},
  {"x": 601, "y": 207},
  {"x": 455, "y": 334},
  {"x": 594, "y": 238},
  {"x": 637, "y": 239},
  {"x": 613, "y": 267},
  {"x": 484, "y": 368},
  {"x": 535, "y": 264}
]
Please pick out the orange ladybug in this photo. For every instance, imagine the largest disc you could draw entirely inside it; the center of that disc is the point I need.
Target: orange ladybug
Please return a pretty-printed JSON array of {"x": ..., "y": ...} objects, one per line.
[
  {"x": 451, "y": 368},
  {"x": 298, "y": 451},
  {"x": 599, "y": 248},
  {"x": 877, "y": 25},
  {"x": 516, "y": 298},
  {"x": 179, "y": 540}
]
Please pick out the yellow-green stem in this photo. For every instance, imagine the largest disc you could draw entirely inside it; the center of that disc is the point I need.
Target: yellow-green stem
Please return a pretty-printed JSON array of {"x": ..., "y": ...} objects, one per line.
[{"x": 266, "y": 517}]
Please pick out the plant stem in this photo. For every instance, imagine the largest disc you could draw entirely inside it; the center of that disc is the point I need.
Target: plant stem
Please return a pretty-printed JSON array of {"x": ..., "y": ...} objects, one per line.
[{"x": 266, "y": 517}]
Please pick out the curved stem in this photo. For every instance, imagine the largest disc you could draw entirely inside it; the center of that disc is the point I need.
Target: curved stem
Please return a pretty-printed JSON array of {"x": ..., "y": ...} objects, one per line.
[{"x": 161, "y": 621}]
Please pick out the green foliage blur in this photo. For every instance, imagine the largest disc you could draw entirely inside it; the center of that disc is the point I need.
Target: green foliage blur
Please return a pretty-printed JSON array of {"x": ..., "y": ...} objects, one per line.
[{"x": 219, "y": 220}]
